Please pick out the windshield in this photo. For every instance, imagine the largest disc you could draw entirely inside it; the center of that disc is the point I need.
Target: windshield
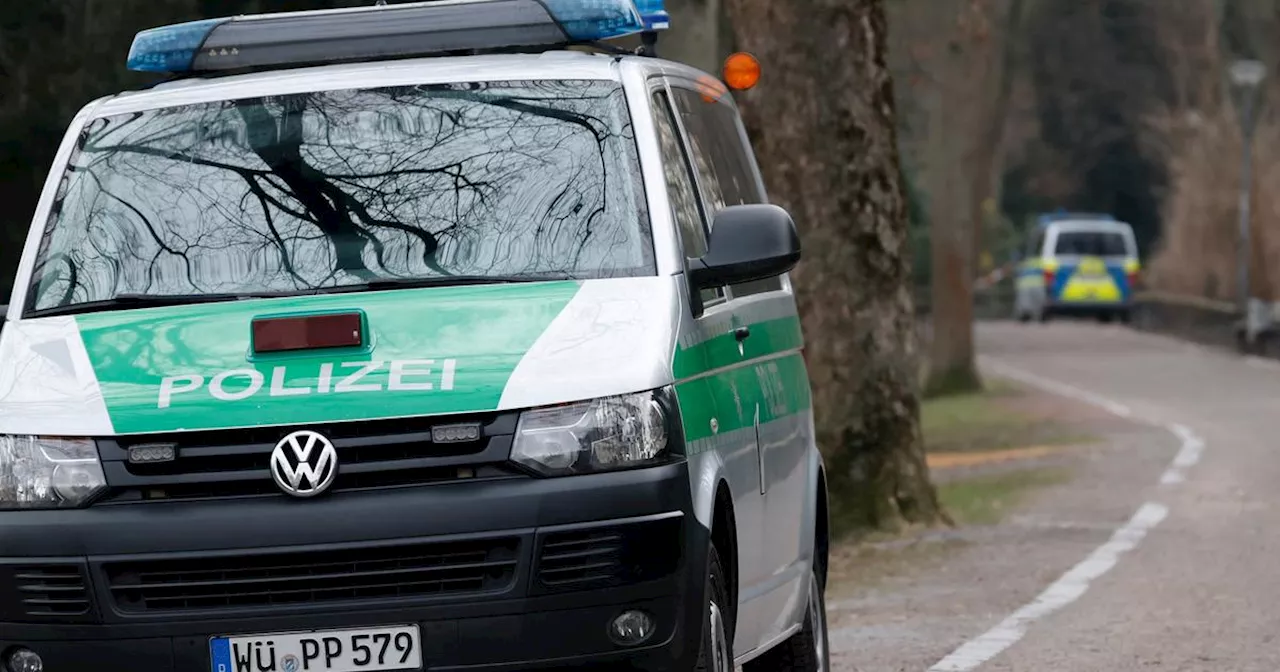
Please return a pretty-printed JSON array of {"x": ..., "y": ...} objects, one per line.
[
  {"x": 1091, "y": 243},
  {"x": 324, "y": 190}
]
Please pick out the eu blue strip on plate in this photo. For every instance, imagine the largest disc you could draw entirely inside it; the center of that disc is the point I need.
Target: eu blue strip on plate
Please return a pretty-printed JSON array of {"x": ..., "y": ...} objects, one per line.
[{"x": 220, "y": 653}]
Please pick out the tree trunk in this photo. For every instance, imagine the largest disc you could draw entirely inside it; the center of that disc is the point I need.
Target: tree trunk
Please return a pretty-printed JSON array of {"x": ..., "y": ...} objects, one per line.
[
  {"x": 959, "y": 176},
  {"x": 697, "y": 35},
  {"x": 952, "y": 368},
  {"x": 972, "y": 85},
  {"x": 822, "y": 121}
]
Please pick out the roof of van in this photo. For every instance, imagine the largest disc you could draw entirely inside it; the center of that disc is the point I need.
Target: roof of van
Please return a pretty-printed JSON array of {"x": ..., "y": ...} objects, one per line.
[
  {"x": 558, "y": 64},
  {"x": 1090, "y": 225}
]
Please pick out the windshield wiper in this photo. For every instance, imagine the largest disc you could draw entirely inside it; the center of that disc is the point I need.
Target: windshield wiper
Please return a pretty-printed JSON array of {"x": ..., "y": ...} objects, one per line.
[
  {"x": 128, "y": 301},
  {"x": 443, "y": 281}
]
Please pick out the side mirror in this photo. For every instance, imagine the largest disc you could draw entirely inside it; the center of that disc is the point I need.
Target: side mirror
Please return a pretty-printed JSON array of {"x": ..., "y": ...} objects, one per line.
[{"x": 748, "y": 243}]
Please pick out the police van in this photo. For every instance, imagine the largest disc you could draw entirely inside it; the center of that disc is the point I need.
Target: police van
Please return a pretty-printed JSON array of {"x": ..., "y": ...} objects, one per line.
[
  {"x": 1078, "y": 264},
  {"x": 430, "y": 336}
]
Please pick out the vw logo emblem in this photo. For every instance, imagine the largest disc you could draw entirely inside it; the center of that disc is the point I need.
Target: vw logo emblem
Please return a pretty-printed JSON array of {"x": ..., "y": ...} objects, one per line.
[{"x": 304, "y": 464}]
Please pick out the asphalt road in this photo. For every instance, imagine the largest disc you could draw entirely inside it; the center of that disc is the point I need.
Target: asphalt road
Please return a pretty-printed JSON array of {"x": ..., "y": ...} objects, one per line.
[{"x": 1192, "y": 481}]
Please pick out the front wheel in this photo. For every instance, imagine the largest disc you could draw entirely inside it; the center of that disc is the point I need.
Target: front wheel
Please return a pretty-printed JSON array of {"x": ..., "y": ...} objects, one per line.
[
  {"x": 805, "y": 651},
  {"x": 716, "y": 654}
]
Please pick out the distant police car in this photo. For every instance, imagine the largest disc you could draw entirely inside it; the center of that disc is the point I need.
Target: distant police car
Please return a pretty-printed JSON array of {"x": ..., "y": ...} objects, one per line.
[
  {"x": 407, "y": 337},
  {"x": 1078, "y": 264}
]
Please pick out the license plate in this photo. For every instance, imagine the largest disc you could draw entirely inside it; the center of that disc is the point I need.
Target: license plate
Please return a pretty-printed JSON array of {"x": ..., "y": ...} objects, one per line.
[{"x": 372, "y": 650}]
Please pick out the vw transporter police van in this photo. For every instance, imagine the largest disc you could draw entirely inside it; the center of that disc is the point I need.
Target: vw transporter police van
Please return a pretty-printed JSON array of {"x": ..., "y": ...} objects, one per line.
[
  {"x": 430, "y": 336},
  {"x": 1078, "y": 264}
]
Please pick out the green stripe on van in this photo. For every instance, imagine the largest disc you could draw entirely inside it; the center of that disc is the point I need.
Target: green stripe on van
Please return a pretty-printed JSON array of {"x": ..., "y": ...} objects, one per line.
[
  {"x": 767, "y": 337},
  {"x": 779, "y": 386},
  {"x": 433, "y": 351}
]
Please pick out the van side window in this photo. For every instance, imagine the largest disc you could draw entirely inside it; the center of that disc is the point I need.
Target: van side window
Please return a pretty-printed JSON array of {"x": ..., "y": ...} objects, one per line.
[
  {"x": 724, "y": 168},
  {"x": 721, "y": 158},
  {"x": 681, "y": 190}
]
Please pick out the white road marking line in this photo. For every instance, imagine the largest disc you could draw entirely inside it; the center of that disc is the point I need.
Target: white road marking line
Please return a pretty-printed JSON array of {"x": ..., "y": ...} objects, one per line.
[
  {"x": 1062, "y": 592},
  {"x": 1061, "y": 389},
  {"x": 1075, "y": 582},
  {"x": 1188, "y": 456}
]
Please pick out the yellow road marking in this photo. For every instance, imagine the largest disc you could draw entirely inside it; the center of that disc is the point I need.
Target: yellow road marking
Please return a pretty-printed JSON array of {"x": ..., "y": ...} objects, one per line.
[{"x": 953, "y": 460}]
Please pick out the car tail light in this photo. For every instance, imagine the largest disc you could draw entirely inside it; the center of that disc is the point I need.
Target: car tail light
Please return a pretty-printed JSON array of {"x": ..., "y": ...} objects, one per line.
[{"x": 1049, "y": 277}]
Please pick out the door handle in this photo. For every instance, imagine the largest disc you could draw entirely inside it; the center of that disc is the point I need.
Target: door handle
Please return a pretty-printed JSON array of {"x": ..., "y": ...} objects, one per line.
[{"x": 742, "y": 333}]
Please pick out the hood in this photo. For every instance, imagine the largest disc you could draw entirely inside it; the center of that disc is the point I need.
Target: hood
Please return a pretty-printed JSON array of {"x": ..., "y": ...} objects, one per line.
[{"x": 431, "y": 351}]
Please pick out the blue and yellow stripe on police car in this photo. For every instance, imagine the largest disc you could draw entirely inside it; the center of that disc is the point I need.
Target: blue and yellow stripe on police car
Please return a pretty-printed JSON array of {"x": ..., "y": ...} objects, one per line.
[
  {"x": 1094, "y": 281},
  {"x": 1031, "y": 272},
  {"x": 1089, "y": 282}
]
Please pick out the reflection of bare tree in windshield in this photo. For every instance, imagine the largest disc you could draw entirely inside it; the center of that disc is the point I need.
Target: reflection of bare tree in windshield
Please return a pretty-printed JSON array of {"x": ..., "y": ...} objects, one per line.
[{"x": 319, "y": 190}]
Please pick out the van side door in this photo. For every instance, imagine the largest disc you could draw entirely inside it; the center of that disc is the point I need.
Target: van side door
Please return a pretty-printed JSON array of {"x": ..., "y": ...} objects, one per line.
[
  {"x": 1032, "y": 292},
  {"x": 779, "y": 386}
]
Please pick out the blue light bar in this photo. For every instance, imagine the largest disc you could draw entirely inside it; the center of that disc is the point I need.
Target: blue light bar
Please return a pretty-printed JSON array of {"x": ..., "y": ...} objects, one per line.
[
  {"x": 387, "y": 31},
  {"x": 170, "y": 48},
  {"x": 589, "y": 20},
  {"x": 654, "y": 14},
  {"x": 1062, "y": 216}
]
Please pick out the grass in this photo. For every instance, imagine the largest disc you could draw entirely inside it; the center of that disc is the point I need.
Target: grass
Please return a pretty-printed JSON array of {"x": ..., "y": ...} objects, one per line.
[
  {"x": 977, "y": 430},
  {"x": 984, "y": 500},
  {"x": 983, "y": 428},
  {"x": 986, "y": 450},
  {"x": 988, "y": 420}
]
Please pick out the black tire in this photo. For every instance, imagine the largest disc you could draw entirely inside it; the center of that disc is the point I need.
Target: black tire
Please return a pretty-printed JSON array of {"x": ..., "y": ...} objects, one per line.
[
  {"x": 1106, "y": 317},
  {"x": 806, "y": 651},
  {"x": 1024, "y": 317},
  {"x": 716, "y": 652}
]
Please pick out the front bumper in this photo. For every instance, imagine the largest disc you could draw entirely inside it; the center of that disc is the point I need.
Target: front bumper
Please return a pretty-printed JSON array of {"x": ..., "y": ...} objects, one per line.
[
  {"x": 160, "y": 579},
  {"x": 1087, "y": 308}
]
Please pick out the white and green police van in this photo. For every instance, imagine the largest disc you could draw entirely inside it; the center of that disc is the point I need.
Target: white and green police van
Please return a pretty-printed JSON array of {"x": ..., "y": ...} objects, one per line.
[{"x": 430, "y": 336}]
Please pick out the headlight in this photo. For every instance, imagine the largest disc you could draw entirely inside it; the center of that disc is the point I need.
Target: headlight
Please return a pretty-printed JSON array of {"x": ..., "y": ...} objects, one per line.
[
  {"x": 599, "y": 435},
  {"x": 39, "y": 472}
]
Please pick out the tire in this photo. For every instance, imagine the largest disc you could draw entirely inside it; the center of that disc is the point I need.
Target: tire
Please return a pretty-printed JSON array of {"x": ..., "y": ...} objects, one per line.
[
  {"x": 1106, "y": 317},
  {"x": 716, "y": 651},
  {"x": 1024, "y": 317},
  {"x": 806, "y": 651}
]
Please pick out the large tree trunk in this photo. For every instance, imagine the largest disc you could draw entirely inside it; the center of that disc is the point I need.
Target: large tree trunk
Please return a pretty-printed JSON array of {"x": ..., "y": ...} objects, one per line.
[
  {"x": 971, "y": 87},
  {"x": 952, "y": 230},
  {"x": 822, "y": 121},
  {"x": 699, "y": 34}
]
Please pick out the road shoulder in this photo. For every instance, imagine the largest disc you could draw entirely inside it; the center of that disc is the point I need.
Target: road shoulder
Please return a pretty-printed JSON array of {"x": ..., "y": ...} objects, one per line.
[{"x": 906, "y": 603}]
